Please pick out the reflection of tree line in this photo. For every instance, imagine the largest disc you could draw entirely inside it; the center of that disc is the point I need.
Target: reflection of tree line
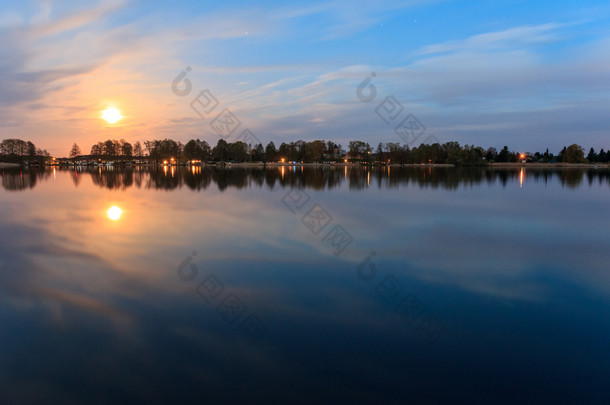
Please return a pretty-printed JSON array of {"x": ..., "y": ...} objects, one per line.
[
  {"x": 202, "y": 178},
  {"x": 19, "y": 179},
  {"x": 317, "y": 178}
]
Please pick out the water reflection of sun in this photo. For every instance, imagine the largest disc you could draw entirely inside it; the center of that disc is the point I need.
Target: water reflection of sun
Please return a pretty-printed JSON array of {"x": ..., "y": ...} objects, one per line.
[{"x": 114, "y": 213}]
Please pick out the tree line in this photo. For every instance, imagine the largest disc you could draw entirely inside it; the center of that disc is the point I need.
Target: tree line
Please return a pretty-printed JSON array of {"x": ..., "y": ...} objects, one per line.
[
  {"x": 18, "y": 150},
  {"x": 303, "y": 151},
  {"x": 328, "y": 151}
]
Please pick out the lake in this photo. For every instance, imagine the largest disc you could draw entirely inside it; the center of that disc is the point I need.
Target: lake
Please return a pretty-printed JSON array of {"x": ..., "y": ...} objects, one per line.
[{"x": 304, "y": 285}]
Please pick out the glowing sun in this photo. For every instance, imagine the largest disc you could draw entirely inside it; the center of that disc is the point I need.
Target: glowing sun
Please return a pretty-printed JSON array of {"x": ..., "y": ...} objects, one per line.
[
  {"x": 114, "y": 213},
  {"x": 111, "y": 115}
]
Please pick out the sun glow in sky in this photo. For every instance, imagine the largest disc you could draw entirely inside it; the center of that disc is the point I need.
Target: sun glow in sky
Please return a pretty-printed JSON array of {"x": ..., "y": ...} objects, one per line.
[{"x": 112, "y": 115}]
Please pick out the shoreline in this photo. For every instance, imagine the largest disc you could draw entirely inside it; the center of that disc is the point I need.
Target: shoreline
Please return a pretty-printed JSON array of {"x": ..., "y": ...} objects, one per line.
[
  {"x": 537, "y": 165},
  {"x": 341, "y": 164},
  {"x": 499, "y": 165},
  {"x": 502, "y": 165}
]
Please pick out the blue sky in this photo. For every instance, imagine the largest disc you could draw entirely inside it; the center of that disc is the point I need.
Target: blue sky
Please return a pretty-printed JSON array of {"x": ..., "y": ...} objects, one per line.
[{"x": 525, "y": 74}]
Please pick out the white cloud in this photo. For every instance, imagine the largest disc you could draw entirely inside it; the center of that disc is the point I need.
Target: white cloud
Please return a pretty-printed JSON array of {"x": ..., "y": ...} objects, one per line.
[{"x": 512, "y": 38}]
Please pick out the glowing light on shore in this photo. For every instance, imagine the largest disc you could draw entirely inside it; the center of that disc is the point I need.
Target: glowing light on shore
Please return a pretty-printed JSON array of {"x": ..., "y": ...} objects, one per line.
[{"x": 114, "y": 213}]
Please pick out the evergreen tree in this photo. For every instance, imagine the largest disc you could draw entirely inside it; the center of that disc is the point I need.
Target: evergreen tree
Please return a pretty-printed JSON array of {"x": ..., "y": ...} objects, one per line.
[
  {"x": 504, "y": 155},
  {"x": 562, "y": 154},
  {"x": 271, "y": 152}
]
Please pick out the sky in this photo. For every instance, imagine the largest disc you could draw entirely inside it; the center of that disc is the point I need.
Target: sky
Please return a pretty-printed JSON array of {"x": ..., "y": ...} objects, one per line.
[{"x": 529, "y": 75}]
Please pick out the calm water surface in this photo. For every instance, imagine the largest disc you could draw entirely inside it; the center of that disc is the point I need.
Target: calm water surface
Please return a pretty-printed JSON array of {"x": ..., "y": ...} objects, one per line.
[{"x": 303, "y": 285}]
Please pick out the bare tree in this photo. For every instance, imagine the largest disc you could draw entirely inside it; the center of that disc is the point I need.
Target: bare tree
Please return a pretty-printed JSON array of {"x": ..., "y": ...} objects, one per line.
[
  {"x": 75, "y": 151},
  {"x": 137, "y": 149}
]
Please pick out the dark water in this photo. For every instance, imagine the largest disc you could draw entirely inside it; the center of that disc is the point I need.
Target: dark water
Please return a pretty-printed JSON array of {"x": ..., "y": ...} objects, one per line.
[{"x": 302, "y": 285}]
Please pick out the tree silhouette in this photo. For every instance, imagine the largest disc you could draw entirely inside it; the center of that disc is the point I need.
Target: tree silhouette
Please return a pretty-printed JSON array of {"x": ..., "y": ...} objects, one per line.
[
  {"x": 574, "y": 154},
  {"x": 75, "y": 151},
  {"x": 137, "y": 149},
  {"x": 270, "y": 152}
]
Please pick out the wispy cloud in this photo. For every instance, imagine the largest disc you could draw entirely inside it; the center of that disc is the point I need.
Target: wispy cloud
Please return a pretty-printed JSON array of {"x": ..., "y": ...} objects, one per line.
[
  {"x": 513, "y": 38},
  {"x": 47, "y": 26}
]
